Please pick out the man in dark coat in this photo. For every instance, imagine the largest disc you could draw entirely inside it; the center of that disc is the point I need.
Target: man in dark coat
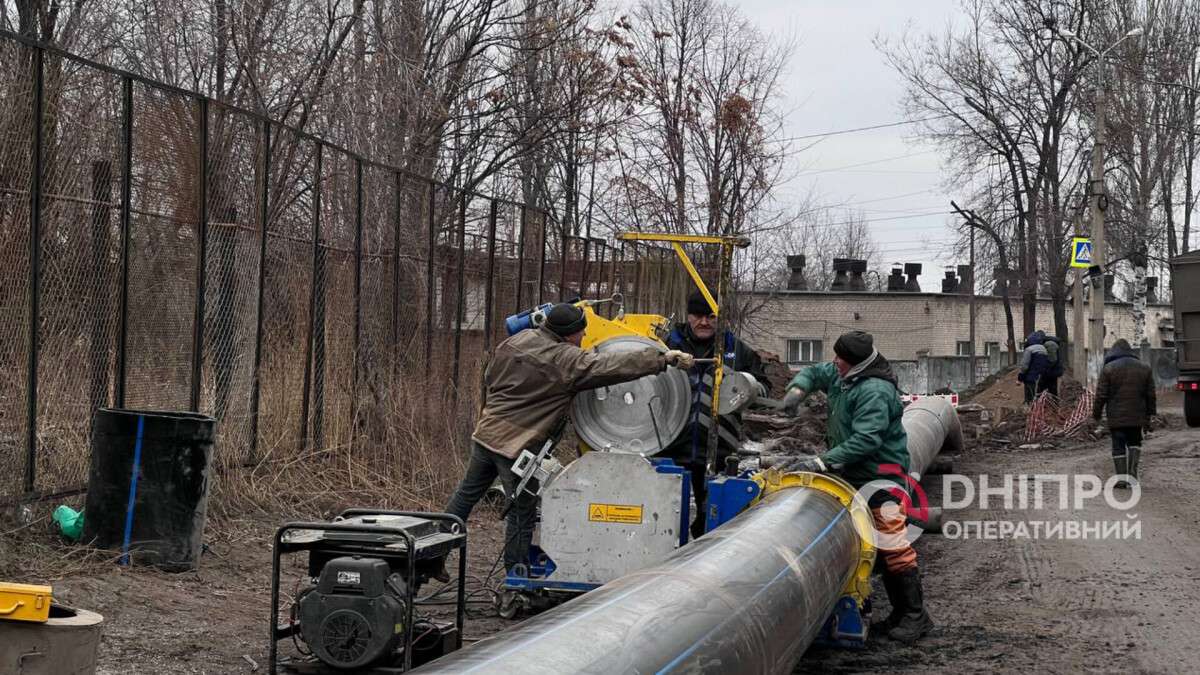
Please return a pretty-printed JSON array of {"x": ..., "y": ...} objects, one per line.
[
  {"x": 697, "y": 337},
  {"x": 1035, "y": 364},
  {"x": 529, "y": 386},
  {"x": 1126, "y": 393}
]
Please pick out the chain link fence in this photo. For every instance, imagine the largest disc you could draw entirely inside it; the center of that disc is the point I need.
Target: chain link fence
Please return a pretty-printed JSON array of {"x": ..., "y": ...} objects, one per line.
[{"x": 159, "y": 250}]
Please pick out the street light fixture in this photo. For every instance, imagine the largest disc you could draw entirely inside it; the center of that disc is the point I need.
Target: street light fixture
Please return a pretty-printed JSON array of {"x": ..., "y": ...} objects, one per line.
[{"x": 1095, "y": 361}]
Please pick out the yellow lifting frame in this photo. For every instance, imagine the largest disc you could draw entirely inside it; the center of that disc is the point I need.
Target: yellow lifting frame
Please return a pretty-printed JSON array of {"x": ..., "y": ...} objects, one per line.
[{"x": 727, "y": 244}]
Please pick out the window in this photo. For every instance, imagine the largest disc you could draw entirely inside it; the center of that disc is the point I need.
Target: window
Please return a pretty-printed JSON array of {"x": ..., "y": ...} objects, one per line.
[
  {"x": 990, "y": 348},
  {"x": 962, "y": 348},
  {"x": 803, "y": 350}
]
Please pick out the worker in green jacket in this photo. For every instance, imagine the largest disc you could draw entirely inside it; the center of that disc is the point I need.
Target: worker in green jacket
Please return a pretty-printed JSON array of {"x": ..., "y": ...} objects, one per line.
[{"x": 867, "y": 443}]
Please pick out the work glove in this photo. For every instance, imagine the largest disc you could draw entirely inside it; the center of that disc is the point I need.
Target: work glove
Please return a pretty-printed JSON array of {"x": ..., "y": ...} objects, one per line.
[
  {"x": 792, "y": 400},
  {"x": 680, "y": 359},
  {"x": 809, "y": 464}
]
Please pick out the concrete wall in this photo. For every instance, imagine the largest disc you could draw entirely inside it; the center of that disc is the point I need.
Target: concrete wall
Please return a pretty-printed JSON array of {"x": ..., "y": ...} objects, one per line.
[
  {"x": 908, "y": 324},
  {"x": 928, "y": 374}
]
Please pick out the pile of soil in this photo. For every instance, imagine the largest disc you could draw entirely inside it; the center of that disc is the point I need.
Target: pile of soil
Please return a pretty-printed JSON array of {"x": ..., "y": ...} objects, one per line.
[
  {"x": 778, "y": 373},
  {"x": 777, "y": 433}
]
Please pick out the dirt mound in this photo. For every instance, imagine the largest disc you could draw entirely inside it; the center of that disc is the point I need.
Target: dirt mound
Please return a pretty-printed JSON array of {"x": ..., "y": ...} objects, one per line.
[
  {"x": 1000, "y": 389},
  {"x": 776, "y": 433},
  {"x": 778, "y": 373}
]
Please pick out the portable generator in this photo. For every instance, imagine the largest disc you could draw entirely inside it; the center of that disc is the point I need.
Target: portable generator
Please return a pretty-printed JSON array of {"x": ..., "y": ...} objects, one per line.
[{"x": 356, "y": 607}]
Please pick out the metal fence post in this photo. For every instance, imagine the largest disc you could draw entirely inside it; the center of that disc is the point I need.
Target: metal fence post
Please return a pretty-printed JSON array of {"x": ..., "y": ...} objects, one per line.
[
  {"x": 256, "y": 392},
  {"x": 458, "y": 311},
  {"x": 201, "y": 256},
  {"x": 429, "y": 278},
  {"x": 394, "y": 347},
  {"x": 489, "y": 282},
  {"x": 312, "y": 299},
  {"x": 541, "y": 294},
  {"x": 35, "y": 245},
  {"x": 521, "y": 260},
  {"x": 126, "y": 212},
  {"x": 562, "y": 264},
  {"x": 358, "y": 260}
]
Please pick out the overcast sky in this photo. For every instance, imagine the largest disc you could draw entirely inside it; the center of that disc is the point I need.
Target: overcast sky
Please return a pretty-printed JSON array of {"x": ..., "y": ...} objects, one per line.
[{"x": 838, "y": 80}]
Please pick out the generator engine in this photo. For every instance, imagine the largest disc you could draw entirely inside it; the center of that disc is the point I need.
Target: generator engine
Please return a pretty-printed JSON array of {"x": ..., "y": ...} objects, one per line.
[
  {"x": 356, "y": 613},
  {"x": 358, "y": 610}
]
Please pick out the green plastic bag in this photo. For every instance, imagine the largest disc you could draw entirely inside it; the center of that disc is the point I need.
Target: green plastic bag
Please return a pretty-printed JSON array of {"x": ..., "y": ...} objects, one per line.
[{"x": 70, "y": 522}]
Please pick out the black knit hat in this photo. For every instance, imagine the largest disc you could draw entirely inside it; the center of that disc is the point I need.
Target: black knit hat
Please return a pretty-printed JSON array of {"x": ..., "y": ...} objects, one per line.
[
  {"x": 854, "y": 347},
  {"x": 698, "y": 305},
  {"x": 565, "y": 319}
]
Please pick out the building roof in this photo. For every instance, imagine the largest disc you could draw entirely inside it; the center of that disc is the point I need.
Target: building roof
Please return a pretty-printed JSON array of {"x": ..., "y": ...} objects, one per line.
[{"x": 921, "y": 294}]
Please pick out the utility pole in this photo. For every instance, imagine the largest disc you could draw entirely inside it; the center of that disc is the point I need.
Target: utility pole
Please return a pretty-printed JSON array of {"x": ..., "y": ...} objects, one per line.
[
  {"x": 972, "y": 222},
  {"x": 971, "y": 290},
  {"x": 1095, "y": 357},
  {"x": 1078, "y": 355}
]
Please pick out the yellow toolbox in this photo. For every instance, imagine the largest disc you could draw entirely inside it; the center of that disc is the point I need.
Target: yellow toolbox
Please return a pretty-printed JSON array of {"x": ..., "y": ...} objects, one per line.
[{"x": 24, "y": 602}]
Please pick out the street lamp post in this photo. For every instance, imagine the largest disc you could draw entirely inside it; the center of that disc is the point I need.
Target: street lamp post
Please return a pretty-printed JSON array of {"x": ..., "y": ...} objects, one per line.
[{"x": 1099, "y": 201}]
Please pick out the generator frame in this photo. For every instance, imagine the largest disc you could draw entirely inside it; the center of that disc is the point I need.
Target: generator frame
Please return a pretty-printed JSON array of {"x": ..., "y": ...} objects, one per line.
[{"x": 458, "y": 541}]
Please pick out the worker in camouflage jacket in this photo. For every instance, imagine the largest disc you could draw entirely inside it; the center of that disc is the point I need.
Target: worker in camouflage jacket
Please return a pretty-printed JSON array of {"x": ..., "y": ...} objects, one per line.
[
  {"x": 697, "y": 337},
  {"x": 1125, "y": 392},
  {"x": 529, "y": 385},
  {"x": 868, "y": 445}
]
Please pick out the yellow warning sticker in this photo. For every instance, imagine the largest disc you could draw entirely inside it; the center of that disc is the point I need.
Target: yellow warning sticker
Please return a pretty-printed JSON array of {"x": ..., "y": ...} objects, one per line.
[{"x": 615, "y": 513}]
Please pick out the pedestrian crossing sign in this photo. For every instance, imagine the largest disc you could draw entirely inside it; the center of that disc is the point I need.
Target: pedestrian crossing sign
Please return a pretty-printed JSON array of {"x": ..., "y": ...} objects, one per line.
[{"x": 1081, "y": 252}]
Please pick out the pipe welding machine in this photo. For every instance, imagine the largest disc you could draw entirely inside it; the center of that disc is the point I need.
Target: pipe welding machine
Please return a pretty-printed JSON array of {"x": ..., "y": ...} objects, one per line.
[
  {"x": 356, "y": 604},
  {"x": 617, "y": 508}
]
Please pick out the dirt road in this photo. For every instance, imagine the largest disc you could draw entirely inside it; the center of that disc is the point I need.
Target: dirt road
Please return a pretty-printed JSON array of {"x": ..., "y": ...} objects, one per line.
[
  {"x": 1058, "y": 605},
  {"x": 1009, "y": 605}
]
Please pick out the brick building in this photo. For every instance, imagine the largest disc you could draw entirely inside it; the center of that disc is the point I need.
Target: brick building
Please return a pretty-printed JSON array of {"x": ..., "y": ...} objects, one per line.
[{"x": 801, "y": 326}]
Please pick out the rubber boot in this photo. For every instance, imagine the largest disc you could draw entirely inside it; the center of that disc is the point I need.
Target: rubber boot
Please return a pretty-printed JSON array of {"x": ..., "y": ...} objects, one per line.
[
  {"x": 915, "y": 622},
  {"x": 1121, "y": 467},
  {"x": 1135, "y": 458},
  {"x": 891, "y": 584}
]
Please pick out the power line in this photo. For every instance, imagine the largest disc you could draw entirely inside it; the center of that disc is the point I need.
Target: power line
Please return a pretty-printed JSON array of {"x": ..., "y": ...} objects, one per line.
[
  {"x": 859, "y": 129},
  {"x": 874, "y": 161}
]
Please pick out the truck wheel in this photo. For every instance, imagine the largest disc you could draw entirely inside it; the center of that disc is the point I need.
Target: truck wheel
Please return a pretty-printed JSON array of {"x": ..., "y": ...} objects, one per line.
[{"x": 1191, "y": 408}]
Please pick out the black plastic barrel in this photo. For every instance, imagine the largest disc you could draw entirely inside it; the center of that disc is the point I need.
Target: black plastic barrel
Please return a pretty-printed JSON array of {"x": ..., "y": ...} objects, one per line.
[{"x": 148, "y": 486}]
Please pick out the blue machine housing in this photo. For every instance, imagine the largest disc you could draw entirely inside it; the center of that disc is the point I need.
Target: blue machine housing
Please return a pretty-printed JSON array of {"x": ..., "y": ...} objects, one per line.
[
  {"x": 518, "y": 322},
  {"x": 727, "y": 497}
]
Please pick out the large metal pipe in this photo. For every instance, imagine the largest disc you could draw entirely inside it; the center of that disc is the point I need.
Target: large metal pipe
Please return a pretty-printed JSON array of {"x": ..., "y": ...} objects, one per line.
[
  {"x": 932, "y": 426},
  {"x": 748, "y": 597}
]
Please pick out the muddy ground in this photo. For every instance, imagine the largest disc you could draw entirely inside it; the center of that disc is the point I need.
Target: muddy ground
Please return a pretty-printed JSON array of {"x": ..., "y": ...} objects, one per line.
[{"x": 1007, "y": 605}]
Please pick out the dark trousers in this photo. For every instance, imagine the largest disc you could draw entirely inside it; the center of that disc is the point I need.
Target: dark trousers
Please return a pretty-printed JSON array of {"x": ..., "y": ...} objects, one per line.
[
  {"x": 482, "y": 470},
  {"x": 1030, "y": 390},
  {"x": 1123, "y": 437},
  {"x": 1048, "y": 383}
]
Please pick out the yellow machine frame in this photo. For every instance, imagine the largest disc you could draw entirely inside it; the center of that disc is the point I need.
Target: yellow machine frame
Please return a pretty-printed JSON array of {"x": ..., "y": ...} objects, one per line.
[
  {"x": 773, "y": 480},
  {"x": 727, "y": 245}
]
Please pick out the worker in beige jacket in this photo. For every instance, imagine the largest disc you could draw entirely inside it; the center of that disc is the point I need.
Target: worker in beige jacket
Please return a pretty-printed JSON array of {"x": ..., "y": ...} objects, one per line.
[{"x": 528, "y": 388}]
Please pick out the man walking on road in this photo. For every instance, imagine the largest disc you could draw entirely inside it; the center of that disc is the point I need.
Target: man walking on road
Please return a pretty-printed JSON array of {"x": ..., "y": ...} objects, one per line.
[
  {"x": 528, "y": 388},
  {"x": 867, "y": 443},
  {"x": 1126, "y": 393}
]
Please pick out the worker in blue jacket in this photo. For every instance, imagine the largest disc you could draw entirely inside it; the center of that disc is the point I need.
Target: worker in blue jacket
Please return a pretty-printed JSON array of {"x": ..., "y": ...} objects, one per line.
[{"x": 697, "y": 337}]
